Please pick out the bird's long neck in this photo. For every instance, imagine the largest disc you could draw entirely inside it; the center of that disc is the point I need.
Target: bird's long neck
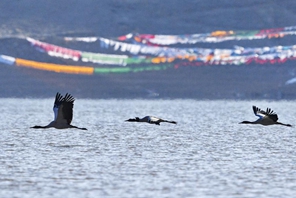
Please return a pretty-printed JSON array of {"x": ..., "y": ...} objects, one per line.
[
  {"x": 134, "y": 120},
  {"x": 39, "y": 127},
  {"x": 44, "y": 127},
  {"x": 248, "y": 122}
]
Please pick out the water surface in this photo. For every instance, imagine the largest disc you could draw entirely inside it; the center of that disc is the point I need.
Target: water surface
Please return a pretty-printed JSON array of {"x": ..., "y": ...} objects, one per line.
[{"x": 207, "y": 154}]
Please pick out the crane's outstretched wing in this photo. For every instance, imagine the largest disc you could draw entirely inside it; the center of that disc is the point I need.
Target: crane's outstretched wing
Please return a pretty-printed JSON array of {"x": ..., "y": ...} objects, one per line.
[
  {"x": 63, "y": 108},
  {"x": 268, "y": 113},
  {"x": 57, "y": 104},
  {"x": 66, "y": 108}
]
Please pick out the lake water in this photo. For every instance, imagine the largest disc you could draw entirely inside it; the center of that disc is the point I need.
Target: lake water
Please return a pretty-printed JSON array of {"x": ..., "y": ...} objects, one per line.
[{"x": 207, "y": 154}]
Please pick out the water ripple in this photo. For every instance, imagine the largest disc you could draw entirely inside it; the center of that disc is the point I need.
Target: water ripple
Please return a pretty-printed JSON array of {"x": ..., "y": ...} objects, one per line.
[{"x": 207, "y": 154}]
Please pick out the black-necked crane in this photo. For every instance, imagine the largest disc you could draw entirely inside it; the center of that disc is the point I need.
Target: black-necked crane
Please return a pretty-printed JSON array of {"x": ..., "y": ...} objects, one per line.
[
  {"x": 63, "y": 113},
  {"x": 268, "y": 117},
  {"x": 150, "y": 120}
]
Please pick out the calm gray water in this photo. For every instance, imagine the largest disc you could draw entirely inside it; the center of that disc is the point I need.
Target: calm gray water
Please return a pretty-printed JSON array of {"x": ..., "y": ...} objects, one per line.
[{"x": 207, "y": 154}]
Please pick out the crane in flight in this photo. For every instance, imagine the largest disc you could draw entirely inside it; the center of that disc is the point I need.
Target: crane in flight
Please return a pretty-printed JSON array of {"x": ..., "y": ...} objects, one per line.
[
  {"x": 63, "y": 113},
  {"x": 150, "y": 120},
  {"x": 268, "y": 117}
]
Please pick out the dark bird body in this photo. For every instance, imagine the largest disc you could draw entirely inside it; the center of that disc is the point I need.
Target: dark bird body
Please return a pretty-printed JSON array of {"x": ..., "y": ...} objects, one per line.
[
  {"x": 266, "y": 118},
  {"x": 63, "y": 113},
  {"x": 150, "y": 120}
]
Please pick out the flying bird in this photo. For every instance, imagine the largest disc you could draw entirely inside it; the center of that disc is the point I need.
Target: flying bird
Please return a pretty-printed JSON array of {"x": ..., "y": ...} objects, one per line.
[
  {"x": 150, "y": 120},
  {"x": 63, "y": 113},
  {"x": 268, "y": 117}
]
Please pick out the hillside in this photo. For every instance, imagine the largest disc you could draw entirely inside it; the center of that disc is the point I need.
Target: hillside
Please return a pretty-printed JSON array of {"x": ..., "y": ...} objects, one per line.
[{"x": 51, "y": 20}]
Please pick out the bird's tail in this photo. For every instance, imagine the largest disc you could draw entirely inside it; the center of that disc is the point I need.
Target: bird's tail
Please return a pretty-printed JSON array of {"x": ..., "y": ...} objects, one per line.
[
  {"x": 78, "y": 127},
  {"x": 173, "y": 122},
  {"x": 288, "y": 125}
]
